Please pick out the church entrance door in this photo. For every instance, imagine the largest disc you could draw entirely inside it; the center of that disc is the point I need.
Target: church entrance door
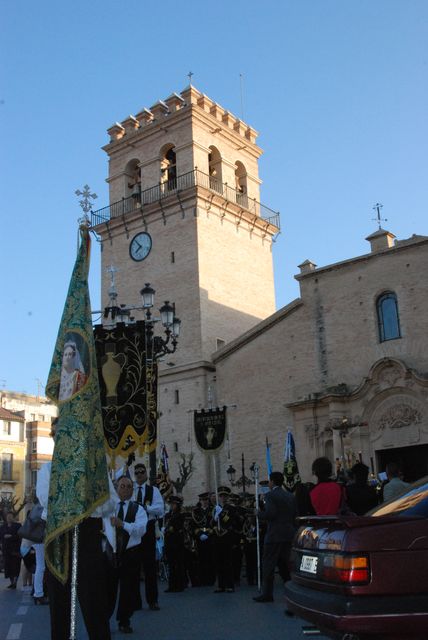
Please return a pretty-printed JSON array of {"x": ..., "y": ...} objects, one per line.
[{"x": 412, "y": 460}]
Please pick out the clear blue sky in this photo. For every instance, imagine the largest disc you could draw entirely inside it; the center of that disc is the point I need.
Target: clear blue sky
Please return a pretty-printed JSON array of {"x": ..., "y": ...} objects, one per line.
[{"x": 336, "y": 88}]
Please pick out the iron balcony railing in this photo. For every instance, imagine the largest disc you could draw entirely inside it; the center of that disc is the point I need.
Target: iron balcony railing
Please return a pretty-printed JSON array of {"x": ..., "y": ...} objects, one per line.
[{"x": 176, "y": 185}]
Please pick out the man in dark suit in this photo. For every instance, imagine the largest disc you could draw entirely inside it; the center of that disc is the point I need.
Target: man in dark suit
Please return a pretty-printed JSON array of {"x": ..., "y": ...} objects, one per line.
[
  {"x": 151, "y": 499},
  {"x": 129, "y": 522},
  {"x": 279, "y": 513}
]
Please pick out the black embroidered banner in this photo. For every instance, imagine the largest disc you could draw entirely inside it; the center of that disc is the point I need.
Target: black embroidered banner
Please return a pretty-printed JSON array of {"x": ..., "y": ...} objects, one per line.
[
  {"x": 128, "y": 385},
  {"x": 210, "y": 428}
]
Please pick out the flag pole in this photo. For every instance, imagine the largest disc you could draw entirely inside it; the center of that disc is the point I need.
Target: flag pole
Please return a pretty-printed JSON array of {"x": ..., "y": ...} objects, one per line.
[
  {"x": 75, "y": 539},
  {"x": 74, "y": 582},
  {"x": 256, "y": 478},
  {"x": 75, "y": 535},
  {"x": 216, "y": 488}
]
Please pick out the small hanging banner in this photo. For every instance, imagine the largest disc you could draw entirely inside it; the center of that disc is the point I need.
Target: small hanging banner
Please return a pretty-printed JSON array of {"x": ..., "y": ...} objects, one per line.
[
  {"x": 128, "y": 386},
  {"x": 210, "y": 428}
]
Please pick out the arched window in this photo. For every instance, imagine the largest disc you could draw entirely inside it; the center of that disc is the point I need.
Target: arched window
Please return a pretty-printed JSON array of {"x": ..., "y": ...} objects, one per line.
[
  {"x": 133, "y": 180},
  {"x": 169, "y": 169},
  {"x": 214, "y": 170},
  {"x": 241, "y": 184},
  {"x": 387, "y": 317}
]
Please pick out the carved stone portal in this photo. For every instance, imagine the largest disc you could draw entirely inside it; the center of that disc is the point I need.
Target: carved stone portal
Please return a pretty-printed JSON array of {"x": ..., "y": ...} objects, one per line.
[
  {"x": 390, "y": 375},
  {"x": 400, "y": 415},
  {"x": 397, "y": 421}
]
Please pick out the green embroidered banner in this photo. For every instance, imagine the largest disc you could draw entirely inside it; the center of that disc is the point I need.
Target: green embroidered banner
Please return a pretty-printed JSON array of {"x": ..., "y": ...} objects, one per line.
[{"x": 79, "y": 481}]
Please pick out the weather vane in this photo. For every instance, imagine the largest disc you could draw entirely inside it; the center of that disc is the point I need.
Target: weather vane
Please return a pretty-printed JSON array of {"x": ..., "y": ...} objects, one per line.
[
  {"x": 377, "y": 207},
  {"x": 85, "y": 202}
]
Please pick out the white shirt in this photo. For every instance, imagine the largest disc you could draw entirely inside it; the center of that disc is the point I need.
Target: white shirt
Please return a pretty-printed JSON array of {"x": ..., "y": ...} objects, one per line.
[
  {"x": 42, "y": 487},
  {"x": 135, "y": 529},
  {"x": 157, "y": 508},
  {"x": 42, "y": 492}
]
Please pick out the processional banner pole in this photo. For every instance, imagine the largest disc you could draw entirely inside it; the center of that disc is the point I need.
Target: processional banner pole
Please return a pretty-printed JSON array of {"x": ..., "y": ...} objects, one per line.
[
  {"x": 256, "y": 478},
  {"x": 216, "y": 487},
  {"x": 75, "y": 546}
]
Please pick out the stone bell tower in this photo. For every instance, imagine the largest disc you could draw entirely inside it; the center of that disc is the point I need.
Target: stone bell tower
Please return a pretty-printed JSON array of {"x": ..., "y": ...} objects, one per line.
[{"x": 185, "y": 216}]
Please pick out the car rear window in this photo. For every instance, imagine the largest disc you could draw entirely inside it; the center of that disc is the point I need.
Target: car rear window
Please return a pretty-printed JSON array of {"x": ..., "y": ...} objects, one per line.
[{"x": 412, "y": 502}]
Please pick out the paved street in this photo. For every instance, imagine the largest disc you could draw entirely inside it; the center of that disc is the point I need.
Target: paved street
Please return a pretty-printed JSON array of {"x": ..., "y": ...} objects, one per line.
[{"x": 194, "y": 614}]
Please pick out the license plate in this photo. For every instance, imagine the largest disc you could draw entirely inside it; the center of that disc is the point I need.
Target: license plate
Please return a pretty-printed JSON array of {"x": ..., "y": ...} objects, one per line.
[{"x": 309, "y": 564}]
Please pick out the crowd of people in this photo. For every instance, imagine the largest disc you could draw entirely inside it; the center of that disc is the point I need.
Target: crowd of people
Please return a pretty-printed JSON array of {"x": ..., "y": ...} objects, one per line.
[{"x": 138, "y": 535}]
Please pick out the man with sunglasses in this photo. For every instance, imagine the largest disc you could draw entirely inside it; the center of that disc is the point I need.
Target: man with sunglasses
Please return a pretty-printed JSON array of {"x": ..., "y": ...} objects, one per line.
[{"x": 151, "y": 499}]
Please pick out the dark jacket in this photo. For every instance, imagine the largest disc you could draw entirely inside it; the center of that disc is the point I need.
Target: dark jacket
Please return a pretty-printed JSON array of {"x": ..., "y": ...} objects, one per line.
[
  {"x": 279, "y": 514},
  {"x": 361, "y": 498}
]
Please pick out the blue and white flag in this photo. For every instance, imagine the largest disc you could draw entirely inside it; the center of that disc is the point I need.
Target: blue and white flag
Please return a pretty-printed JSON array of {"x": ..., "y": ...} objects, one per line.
[
  {"x": 268, "y": 458},
  {"x": 291, "y": 470},
  {"x": 290, "y": 448}
]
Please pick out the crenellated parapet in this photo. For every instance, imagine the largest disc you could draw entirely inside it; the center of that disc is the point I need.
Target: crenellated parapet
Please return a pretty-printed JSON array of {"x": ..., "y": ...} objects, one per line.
[{"x": 163, "y": 109}]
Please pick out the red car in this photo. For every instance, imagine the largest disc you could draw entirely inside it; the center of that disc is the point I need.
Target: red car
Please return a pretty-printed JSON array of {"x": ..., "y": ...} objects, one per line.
[{"x": 365, "y": 577}]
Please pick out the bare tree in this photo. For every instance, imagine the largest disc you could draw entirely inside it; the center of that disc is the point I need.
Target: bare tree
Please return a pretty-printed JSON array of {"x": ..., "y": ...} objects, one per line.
[
  {"x": 185, "y": 469},
  {"x": 11, "y": 505}
]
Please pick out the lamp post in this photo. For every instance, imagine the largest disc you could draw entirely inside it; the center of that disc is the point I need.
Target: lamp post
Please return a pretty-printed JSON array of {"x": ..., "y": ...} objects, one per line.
[
  {"x": 156, "y": 346},
  {"x": 243, "y": 481}
]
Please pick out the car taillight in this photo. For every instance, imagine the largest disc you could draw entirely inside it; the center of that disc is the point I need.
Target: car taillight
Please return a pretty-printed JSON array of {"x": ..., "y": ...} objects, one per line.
[{"x": 346, "y": 569}]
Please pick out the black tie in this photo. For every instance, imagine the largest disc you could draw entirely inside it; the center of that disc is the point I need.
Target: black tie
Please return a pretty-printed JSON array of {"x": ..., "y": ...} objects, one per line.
[
  {"x": 140, "y": 496},
  {"x": 120, "y": 537}
]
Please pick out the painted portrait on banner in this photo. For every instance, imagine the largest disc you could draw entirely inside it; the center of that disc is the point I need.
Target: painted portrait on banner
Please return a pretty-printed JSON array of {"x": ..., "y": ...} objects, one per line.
[{"x": 75, "y": 368}]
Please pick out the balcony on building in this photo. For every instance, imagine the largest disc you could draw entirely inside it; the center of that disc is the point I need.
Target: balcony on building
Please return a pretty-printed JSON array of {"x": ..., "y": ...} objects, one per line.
[{"x": 239, "y": 201}]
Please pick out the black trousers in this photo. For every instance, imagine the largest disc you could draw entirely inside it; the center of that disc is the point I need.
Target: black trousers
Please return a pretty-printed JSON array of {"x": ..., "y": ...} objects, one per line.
[
  {"x": 175, "y": 558},
  {"x": 224, "y": 561},
  {"x": 91, "y": 588},
  {"x": 274, "y": 554},
  {"x": 126, "y": 579},
  {"x": 148, "y": 561},
  {"x": 237, "y": 562},
  {"x": 206, "y": 562},
  {"x": 250, "y": 552}
]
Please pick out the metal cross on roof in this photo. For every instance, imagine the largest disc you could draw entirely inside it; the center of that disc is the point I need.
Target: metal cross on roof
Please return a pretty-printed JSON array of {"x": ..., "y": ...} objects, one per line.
[
  {"x": 377, "y": 207},
  {"x": 189, "y": 75},
  {"x": 85, "y": 202},
  {"x": 112, "y": 270}
]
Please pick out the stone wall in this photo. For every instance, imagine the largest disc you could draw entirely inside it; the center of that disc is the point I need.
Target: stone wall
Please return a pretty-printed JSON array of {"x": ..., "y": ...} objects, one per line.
[{"x": 310, "y": 364}]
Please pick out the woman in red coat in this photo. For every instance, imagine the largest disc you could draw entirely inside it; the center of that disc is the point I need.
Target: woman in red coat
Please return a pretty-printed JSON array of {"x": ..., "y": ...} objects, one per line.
[{"x": 327, "y": 497}]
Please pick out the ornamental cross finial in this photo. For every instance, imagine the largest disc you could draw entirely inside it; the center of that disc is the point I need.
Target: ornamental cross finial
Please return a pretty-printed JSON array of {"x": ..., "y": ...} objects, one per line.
[
  {"x": 112, "y": 292},
  {"x": 111, "y": 269},
  {"x": 189, "y": 75},
  {"x": 377, "y": 207},
  {"x": 85, "y": 202}
]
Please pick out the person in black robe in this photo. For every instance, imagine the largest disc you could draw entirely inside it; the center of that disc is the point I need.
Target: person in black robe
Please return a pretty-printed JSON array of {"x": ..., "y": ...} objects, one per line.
[
  {"x": 174, "y": 545},
  {"x": 359, "y": 495},
  {"x": 11, "y": 544}
]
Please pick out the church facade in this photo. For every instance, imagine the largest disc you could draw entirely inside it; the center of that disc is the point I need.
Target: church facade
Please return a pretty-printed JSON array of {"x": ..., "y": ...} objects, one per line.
[{"x": 342, "y": 366}]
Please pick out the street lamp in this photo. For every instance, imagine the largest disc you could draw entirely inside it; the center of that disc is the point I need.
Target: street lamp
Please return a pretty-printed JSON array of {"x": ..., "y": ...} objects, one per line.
[
  {"x": 231, "y": 471},
  {"x": 156, "y": 346},
  {"x": 243, "y": 481},
  {"x": 148, "y": 296}
]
